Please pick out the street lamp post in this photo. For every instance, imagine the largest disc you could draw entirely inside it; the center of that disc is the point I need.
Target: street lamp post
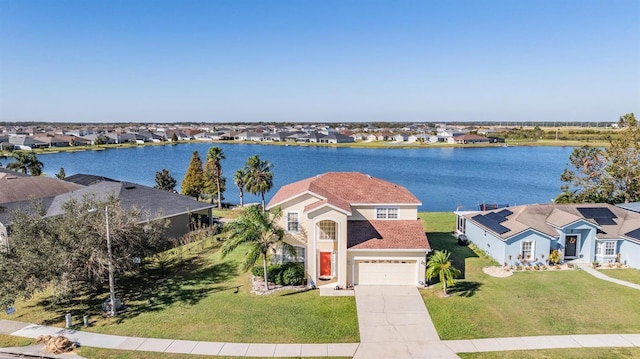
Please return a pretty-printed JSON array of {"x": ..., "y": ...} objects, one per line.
[{"x": 112, "y": 289}]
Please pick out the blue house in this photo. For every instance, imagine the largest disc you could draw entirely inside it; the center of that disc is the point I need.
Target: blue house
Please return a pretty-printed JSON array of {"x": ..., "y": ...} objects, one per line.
[{"x": 528, "y": 234}]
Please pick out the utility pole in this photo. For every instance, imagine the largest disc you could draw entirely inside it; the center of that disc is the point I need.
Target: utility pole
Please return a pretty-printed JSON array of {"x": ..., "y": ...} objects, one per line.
[{"x": 112, "y": 289}]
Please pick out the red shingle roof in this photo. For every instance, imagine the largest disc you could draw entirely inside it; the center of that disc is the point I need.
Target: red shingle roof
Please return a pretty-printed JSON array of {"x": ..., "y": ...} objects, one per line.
[
  {"x": 343, "y": 189},
  {"x": 389, "y": 234}
]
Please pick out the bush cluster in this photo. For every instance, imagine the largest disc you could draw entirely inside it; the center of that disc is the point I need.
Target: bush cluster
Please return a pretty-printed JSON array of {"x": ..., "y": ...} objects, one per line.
[{"x": 290, "y": 273}]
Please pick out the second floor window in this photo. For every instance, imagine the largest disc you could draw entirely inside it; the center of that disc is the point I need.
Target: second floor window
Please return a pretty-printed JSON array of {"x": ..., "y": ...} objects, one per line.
[
  {"x": 293, "y": 224},
  {"x": 327, "y": 230},
  {"x": 387, "y": 213}
]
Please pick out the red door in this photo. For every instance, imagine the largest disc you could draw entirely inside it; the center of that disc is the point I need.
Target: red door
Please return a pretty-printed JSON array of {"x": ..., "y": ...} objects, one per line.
[{"x": 325, "y": 264}]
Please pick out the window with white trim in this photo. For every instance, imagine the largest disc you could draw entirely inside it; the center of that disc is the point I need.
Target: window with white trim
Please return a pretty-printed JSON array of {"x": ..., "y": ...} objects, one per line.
[
  {"x": 293, "y": 223},
  {"x": 527, "y": 250},
  {"x": 284, "y": 256},
  {"x": 387, "y": 213},
  {"x": 607, "y": 248},
  {"x": 328, "y": 230}
]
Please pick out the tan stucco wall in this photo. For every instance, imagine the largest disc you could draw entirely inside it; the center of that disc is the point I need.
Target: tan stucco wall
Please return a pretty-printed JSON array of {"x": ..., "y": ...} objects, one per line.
[
  {"x": 309, "y": 234},
  {"x": 361, "y": 213}
]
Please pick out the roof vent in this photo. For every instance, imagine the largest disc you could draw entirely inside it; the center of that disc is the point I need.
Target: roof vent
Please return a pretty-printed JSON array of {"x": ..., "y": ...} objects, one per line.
[
  {"x": 369, "y": 176},
  {"x": 129, "y": 187}
]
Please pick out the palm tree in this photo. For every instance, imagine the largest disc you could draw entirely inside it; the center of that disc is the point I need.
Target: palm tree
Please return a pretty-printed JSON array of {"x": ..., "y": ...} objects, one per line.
[
  {"x": 440, "y": 266},
  {"x": 238, "y": 179},
  {"x": 215, "y": 156},
  {"x": 259, "y": 230},
  {"x": 26, "y": 163},
  {"x": 258, "y": 176}
]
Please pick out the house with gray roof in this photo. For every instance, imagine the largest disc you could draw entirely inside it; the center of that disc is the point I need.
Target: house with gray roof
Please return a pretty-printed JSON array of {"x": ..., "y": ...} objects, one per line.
[
  {"x": 19, "y": 191},
  {"x": 525, "y": 235}
]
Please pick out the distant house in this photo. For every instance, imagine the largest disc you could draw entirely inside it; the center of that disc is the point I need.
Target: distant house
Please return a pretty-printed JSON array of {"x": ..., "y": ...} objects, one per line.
[
  {"x": 24, "y": 142},
  {"x": 334, "y": 137},
  {"x": 527, "y": 234},
  {"x": 352, "y": 229},
  {"x": 468, "y": 139}
]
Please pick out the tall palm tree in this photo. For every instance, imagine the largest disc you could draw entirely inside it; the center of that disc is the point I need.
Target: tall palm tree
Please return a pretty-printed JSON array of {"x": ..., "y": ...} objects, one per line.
[
  {"x": 258, "y": 176},
  {"x": 238, "y": 179},
  {"x": 26, "y": 162},
  {"x": 259, "y": 230},
  {"x": 215, "y": 156},
  {"x": 440, "y": 266}
]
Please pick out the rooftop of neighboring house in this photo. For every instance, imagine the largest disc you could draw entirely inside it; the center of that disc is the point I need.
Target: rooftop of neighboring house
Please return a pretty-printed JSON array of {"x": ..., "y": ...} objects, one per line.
[
  {"x": 344, "y": 189},
  {"x": 19, "y": 187},
  {"x": 612, "y": 221},
  {"x": 53, "y": 193}
]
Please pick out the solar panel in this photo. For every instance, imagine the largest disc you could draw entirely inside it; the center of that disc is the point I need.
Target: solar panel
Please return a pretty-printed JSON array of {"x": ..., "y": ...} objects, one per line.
[
  {"x": 491, "y": 224},
  {"x": 495, "y": 216},
  {"x": 605, "y": 221},
  {"x": 634, "y": 234},
  {"x": 596, "y": 212},
  {"x": 505, "y": 213}
]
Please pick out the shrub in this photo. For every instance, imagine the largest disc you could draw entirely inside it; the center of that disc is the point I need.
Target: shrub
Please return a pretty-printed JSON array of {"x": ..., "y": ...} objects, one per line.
[
  {"x": 290, "y": 273},
  {"x": 554, "y": 257}
]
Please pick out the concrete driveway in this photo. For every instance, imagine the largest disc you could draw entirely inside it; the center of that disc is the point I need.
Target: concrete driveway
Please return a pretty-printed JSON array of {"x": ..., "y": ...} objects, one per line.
[{"x": 394, "y": 323}]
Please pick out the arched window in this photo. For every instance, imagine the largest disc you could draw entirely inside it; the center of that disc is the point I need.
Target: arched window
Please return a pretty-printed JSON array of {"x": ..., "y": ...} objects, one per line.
[{"x": 328, "y": 230}]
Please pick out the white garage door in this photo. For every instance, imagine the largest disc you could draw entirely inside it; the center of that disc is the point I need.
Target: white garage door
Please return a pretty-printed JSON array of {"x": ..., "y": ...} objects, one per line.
[{"x": 387, "y": 273}]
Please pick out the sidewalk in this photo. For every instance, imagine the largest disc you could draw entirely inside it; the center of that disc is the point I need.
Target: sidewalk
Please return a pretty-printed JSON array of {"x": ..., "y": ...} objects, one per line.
[
  {"x": 181, "y": 346},
  {"x": 587, "y": 268},
  {"x": 313, "y": 350}
]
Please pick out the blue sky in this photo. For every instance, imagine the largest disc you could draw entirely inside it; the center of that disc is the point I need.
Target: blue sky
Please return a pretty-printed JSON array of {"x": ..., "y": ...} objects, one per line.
[{"x": 330, "y": 61}]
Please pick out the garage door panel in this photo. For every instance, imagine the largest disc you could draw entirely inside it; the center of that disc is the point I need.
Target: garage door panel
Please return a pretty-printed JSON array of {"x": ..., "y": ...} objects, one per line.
[{"x": 386, "y": 273}]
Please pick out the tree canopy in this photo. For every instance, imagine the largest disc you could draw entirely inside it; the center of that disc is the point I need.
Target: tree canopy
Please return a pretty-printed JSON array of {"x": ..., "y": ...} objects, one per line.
[
  {"x": 439, "y": 265},
  {"x": 258, "y": 176},
  {"x": 605, "y": 175},
  {"x": 193, "y": 182},
  {"x": 260, "y": 231},
  {"x": 68, "y": 253},
  {"x": 165, "y": 181},
  {"x": 214, "y": 182},
  {"x": 26, "y": 162}
]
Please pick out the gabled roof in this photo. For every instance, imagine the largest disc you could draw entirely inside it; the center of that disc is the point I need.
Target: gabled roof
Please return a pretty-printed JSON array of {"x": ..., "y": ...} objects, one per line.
[
  {"x": 389, "y": 234},
  {"x": 344, "y": 189},
  {"x": 16, "y": 186},
  {"x": 548, "y": 218}
]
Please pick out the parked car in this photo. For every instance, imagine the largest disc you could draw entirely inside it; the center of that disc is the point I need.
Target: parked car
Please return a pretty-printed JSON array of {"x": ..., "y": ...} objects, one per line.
[{"x": 463, "y": 240}]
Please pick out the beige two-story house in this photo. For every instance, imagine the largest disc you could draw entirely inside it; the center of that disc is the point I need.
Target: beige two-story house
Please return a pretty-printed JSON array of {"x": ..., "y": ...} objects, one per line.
[{"x": 353, "y": 229}]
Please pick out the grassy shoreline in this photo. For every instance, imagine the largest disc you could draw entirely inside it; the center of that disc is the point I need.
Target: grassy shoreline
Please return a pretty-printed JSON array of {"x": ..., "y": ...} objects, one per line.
[{"x": 364, "y": 145}]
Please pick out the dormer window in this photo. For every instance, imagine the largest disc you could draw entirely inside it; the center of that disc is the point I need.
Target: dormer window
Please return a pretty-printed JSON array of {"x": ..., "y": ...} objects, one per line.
[{"x": 387, "y": 213}]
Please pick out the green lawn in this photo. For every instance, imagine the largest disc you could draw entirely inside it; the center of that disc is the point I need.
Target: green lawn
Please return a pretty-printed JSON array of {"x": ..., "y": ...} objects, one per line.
[
  {"x": 572, "y": 353},
  {"x": 628, "y": 274},
  {"x": 205, "y": 298},
  {"x": 528, "y": 303}
]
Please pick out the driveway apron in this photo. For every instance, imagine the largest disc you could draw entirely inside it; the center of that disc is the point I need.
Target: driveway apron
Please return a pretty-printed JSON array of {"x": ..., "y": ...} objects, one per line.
[{"x": 394, "y": 323}]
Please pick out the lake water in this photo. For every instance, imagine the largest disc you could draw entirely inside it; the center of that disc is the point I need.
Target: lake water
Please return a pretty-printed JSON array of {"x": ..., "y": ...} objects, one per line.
[{"x": 442, "y": 178}]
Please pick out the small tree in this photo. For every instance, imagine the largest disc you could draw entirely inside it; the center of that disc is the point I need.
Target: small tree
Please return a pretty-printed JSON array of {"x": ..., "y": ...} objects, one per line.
[
  {"x": 259, "y": 230},
  {"x": 61, "y": 174},
  {"x": 605, "y": 175},
  {"x": 258, "y": 177},
  {"x": 440, "y": 266},
  {"x": 193, "y": 181},
  {"x": 69, "y": 253},
  {"x": 214, "y": 182},
  {"x": 238, "y": 179},
  {"x": 174, "y": 137},
  {"x": 26, "y": 162},
  {"x": 165, "y": 181}
]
